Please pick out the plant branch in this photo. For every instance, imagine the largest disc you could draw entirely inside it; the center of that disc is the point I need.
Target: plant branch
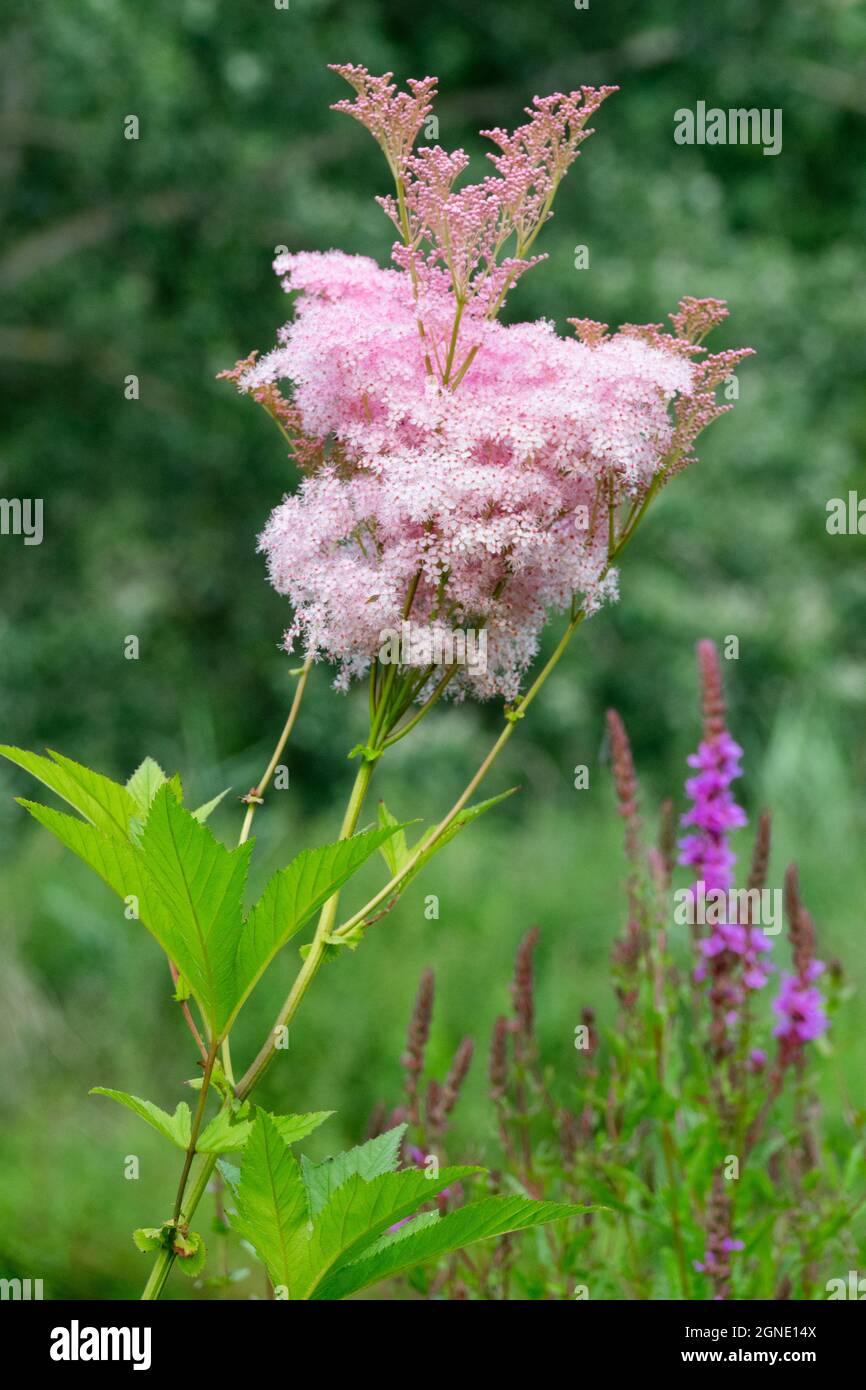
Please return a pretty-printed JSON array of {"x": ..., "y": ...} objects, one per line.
[
  {"x": 194, "y": 1132},
  {"x": 316, "y": 954},
  {"x": 261, "y": 786}
]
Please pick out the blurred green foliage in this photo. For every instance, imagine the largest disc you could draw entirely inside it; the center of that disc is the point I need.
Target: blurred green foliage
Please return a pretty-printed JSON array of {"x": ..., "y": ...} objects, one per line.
[{"x": 153, "y": 257}]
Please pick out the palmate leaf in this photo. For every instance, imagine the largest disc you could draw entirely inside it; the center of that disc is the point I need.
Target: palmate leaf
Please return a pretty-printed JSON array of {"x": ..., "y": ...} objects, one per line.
[
  {"x": 189, "y": 887},
  {"x": 176, "y": 1127},
  {"x": 198, "y": 885},
  {"x": 274, "y": 1215},
  {"x": 227, "y": 1134},
  {"x": 224, "y": 1134},
  {"x": 201, "y": 885},
  {"x": 291, "y": 1127},
  {"x": 331, "y": 1248},
  {"x": 430, "y": 1239}
]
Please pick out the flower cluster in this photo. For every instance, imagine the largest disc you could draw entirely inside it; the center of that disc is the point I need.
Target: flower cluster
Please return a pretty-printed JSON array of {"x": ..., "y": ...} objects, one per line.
[
  {"x": 714, "y": 811},
  {"x": 459, "y": 472},
  {"x": 393, "y": 118},
  {"x": 800, "y": 1007},
  {"x": 455, "y": 238},
  {"x": 720, "y": 1243},
  {"x": 732, "y": 952},
  {"x": 800, "y": 1004}
]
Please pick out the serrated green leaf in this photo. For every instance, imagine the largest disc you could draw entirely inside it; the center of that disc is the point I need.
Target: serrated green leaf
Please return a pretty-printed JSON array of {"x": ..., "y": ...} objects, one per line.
[
  {"x": 202, "y": 812},
  {"x": 199, "y": 885},
  {"x": 395, "y": 851},
  {"x": 273, "y": 1213},
  {"x": 104, "y": 803},
  {"x": 144, "y": 784},
  {"x": 188, "y": 885},
  {"x": 359, "y": 1212},
  {"x": 230, "y": 1174},
  {"x": 294, "y": 1127},
  {"x": 188, "y": 888},
  {"x": 411, "y": 1245},
  {"x": 368, "y": 1161},
  {"x": 176, "y": 1127},
  {"x": 271, "y": 1202},
  {"x": 113, "y": 859},
  {"x": 223, "y": 1135}
]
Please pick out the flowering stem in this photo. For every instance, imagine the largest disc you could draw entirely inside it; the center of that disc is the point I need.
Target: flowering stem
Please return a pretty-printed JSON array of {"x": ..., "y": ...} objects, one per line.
[
  {"x": 254, "y": 798},
  {"x": 436, "y": 834},
  {"x": 324, "y": 928},
  {"x": 381, "y": 710},
  {"x": 316, "y": 953},
  {"x": 428, "y": 704},
  {"x": 449, "y": 361}
]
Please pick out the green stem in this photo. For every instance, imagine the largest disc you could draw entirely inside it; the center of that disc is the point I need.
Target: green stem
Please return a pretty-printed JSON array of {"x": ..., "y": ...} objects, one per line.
[
  {"x": 158, "y": 1275},
  {"x": 428, "y": 704},
  {"x": 165, "y": 1259},
  {"x": 316, "y": 953},
  {"x": 255, "y": 799},
  {"x": 436, "y": 834},
  {"x": 452, "y": 346},
  {"x": 194, "y": 1133},
  {"x": 261, "y": 786}
]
